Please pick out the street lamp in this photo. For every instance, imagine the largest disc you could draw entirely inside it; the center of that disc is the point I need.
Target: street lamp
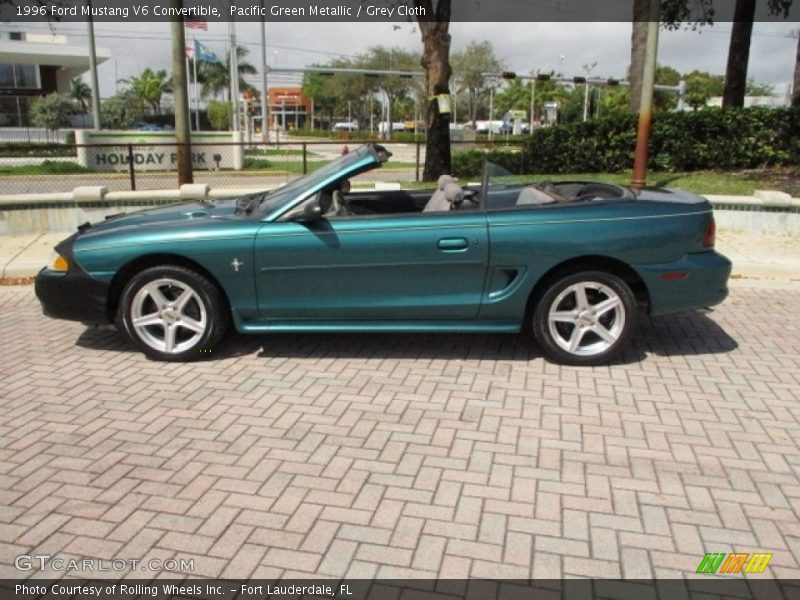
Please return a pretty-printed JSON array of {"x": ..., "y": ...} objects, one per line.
[
  {"x": 533, "y": 100},
  {"x": 588, "y": 68}
]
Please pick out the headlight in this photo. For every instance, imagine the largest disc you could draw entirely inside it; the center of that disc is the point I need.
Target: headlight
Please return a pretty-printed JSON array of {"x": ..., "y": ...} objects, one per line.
[{"x": 58, "y": 263}]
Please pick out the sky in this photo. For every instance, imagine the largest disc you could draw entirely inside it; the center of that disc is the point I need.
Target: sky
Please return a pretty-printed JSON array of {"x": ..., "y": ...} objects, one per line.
[{"x": 523, "y": 47}]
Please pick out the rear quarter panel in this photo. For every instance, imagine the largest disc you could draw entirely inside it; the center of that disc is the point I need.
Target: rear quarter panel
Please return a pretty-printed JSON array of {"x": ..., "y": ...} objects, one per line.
[{"x": 635, "y": 232}]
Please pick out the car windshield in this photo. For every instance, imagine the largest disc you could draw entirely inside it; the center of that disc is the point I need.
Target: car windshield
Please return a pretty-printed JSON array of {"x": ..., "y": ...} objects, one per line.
[
  {"x": 314, "y": 181},
  {"x": 499, "y": 177}
]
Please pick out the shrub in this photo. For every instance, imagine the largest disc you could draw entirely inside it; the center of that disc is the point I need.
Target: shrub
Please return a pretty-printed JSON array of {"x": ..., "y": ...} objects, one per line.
[
  {"x": 469, "y": 163},
  {"x": 708, "y": 139},
  {"x": 219, "y": 114},
  {"x": 52, "y": 111}
]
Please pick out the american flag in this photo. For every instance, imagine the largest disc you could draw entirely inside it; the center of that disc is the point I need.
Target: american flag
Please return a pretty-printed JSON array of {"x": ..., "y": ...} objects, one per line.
[{"x": 196, "y": 24}]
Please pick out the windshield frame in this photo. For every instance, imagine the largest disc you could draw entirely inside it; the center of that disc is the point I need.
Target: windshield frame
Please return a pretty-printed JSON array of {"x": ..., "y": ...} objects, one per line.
[{"x": 283, "y": 199}]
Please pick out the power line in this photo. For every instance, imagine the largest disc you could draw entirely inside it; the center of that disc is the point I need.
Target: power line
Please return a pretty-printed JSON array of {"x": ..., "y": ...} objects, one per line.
[{"x": 123, "y": 34}]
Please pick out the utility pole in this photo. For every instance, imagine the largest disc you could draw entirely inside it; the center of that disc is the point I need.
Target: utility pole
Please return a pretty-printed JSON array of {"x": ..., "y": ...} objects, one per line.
[
  {"x": 264, "y": 93},
  {"x": 234, "y": 70},
  {"x": 639, "y": 179},
  {"x": 181, "y": 94},
  {"x": 93, "y": 69},
  {"x": 533, "y": 103}
]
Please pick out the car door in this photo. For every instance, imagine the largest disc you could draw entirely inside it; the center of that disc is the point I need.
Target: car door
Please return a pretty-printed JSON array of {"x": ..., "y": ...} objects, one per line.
[{"x": 420, "y": 266}]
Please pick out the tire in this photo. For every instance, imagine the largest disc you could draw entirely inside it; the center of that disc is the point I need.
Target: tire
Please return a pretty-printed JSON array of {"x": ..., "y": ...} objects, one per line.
[
  {"x": 584, "y": 319},
  {"x": 173, "y": 313}
]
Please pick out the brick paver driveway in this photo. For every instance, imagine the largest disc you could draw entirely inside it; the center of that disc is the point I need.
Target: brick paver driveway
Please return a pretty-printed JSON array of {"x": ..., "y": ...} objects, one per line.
[{"x": 388, "y": 455}]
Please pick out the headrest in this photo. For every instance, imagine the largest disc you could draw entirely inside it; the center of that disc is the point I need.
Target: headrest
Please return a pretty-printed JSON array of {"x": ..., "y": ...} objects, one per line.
[
  {"x": 451, "y": 191},
  {"x": 444, "y": 180}
]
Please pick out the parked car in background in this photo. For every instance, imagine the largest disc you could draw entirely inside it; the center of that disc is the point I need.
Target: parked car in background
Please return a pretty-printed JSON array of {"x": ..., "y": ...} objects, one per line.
[
  {"x": 152, "y": 127},
  {"x": 346, "y": 126},
  {"x": 383, "y": 126},
  {"x": 575, "y": 262}
]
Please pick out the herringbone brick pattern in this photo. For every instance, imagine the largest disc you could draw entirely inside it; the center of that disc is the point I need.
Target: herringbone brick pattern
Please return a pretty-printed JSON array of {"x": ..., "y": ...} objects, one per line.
[{"x": 395, "y": 456}]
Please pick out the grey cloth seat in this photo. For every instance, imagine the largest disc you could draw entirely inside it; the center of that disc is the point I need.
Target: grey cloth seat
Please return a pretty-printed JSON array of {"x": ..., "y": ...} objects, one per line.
[
  {"x": 439, "y": 201},
  {"x": 545, "y": 193},
  {"x": 530, "y": 195}
]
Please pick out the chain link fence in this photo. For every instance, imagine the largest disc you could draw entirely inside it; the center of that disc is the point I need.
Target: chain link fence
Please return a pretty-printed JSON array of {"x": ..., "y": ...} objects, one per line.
[{"x": 40, "y": 168}]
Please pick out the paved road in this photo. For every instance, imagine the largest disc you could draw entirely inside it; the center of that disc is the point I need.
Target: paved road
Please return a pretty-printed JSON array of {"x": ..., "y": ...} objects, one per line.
[
  {"x": 39, "y": 184},
  {"x": 388, "y": 455}
]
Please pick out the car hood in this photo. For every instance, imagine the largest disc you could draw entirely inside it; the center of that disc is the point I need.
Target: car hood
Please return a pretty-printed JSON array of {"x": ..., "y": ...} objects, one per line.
[{"x": 164, "y": 215}]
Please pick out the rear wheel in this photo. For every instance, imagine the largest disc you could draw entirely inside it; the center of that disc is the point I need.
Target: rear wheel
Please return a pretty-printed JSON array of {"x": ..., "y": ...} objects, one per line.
[
  {"x": 173, "y": 313},
  {"x": 584, "y": 318}
]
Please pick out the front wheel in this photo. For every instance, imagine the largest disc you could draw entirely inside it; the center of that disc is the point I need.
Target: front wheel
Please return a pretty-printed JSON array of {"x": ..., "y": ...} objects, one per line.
[
  {"x": 584, "y": 318},
  {"x": 173, "y": 313}
]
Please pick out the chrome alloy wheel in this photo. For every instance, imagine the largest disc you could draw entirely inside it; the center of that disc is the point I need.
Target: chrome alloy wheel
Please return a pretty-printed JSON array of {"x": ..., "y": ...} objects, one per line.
[
  {"x": 586, "y": 318},
  {"x": 168, "y": 315}
]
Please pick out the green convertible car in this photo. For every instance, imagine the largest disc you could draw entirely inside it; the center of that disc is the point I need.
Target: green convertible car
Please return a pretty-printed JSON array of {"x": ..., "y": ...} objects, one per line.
[{"x": 574, "y": 262}]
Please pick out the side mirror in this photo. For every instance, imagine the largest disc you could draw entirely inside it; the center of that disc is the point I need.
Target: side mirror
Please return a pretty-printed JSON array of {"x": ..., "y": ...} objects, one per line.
[{"x": 312, "y": 211}]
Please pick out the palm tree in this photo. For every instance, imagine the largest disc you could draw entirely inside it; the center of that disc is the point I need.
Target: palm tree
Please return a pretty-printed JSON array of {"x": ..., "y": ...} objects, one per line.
[
  {"x": 150, "y": 86},
  {"x": 216, "y": 76},
  {"x": 80, "y": 91}
]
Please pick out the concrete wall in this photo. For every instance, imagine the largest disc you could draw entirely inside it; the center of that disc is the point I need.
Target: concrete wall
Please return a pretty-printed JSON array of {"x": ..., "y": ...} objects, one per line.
[
  {"x": 50, "y": 213},
  {"x": 764, "y": 213}
]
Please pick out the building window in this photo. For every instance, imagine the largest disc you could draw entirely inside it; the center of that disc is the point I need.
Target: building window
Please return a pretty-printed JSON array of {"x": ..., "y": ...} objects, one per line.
[
  {"x": 20, "y": 76},
  {"x": 27, "y": 76},
  {"x": 7, "y": 76},
  {"x": 16, "y": 36}
]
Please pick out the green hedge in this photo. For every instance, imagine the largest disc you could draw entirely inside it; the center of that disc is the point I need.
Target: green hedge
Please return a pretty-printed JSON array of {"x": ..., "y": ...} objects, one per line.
[
  {"x": 469, "y": 163},
  {"x": 710, "y": 139},
  {"x": 20, "y": 150}
]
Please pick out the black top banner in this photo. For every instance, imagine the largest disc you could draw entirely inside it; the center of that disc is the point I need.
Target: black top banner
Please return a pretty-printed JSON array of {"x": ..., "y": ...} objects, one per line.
[{"x": 378, "y": 10}]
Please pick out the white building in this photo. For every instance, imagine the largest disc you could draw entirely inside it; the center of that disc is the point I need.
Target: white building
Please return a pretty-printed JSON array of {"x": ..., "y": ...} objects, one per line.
[{"x": 33, "y": 65}]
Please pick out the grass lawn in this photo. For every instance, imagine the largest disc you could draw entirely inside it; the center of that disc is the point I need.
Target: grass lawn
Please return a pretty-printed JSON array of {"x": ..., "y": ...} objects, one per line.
[
  {"x": 46, "y": 168},
  {"x": 742, "y": 183},
  {"x": 272, "y": 152}
]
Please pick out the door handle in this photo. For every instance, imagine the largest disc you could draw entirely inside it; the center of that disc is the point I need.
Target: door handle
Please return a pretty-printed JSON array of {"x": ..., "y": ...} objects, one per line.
[{"x": 453, "y": 244}]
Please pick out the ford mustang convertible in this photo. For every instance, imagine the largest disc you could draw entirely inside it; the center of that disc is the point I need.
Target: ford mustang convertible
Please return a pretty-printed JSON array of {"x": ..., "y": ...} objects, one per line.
[{"x": 573, "y": 262}]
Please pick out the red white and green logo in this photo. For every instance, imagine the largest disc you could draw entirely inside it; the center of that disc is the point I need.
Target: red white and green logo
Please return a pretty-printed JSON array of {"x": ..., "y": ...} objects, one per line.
[{"x": 736, "y": 562}]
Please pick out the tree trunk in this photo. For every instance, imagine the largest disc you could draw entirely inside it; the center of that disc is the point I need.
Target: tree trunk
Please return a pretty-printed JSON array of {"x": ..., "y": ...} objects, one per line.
[
  {"x": 796, "y": 86},
  {"x": 739, "y": 54},
  {"x": 434, "y": 28},
  {"x": 641, "y": 10}
]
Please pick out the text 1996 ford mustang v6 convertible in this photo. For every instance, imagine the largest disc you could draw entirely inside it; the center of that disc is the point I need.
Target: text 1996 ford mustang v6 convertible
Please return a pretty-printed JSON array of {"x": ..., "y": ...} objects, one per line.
[{"x": 572, "y": 261}]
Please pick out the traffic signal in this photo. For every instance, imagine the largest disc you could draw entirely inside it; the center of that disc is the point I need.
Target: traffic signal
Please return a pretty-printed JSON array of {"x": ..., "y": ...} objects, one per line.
[
  {"x": 508, "y": 75},
  {"x": 579, "y": 80},
  {"x": 612, "y": 82}
]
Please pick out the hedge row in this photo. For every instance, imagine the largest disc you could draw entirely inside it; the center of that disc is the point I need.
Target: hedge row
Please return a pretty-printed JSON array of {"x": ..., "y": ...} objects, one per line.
[{"x": 688, "y": 141}]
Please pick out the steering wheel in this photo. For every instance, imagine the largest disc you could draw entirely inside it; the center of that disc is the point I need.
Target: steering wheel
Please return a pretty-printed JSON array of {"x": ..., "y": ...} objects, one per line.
[{"x": 471, "y": 196}]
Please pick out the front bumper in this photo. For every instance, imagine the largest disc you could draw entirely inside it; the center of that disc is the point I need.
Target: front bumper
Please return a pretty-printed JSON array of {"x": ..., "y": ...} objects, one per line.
[
  {"x": 705, "y": 282},
  {"x": 73, "y": 295}
]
